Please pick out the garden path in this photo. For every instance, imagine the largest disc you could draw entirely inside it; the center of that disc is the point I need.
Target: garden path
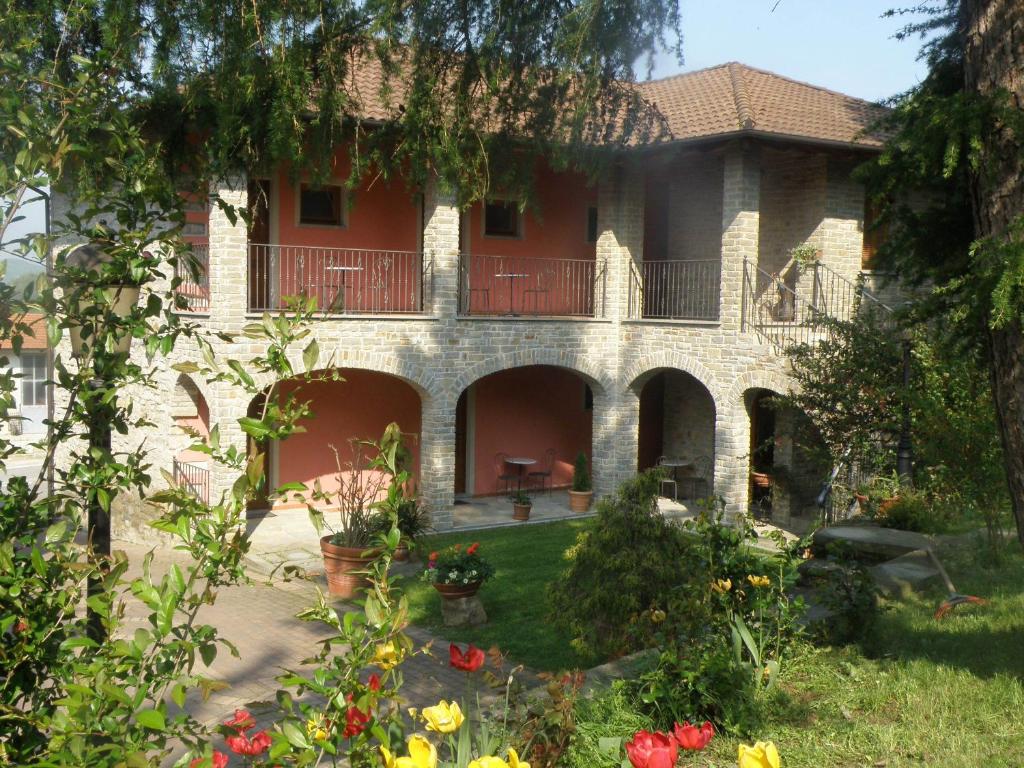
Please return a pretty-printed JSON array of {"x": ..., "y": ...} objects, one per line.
[{"x": 259, "y": 618}]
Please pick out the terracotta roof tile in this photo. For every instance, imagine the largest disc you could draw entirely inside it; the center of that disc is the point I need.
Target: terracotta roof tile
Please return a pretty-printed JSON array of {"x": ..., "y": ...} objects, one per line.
[{"x": 733, "y": 97}]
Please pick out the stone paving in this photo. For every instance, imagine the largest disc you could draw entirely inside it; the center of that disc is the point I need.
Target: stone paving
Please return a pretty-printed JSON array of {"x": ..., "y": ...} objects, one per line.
[{"x": 259, "y": 619}]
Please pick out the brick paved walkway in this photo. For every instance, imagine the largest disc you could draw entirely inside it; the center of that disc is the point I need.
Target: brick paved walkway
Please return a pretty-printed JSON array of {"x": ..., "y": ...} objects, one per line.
[{"x": 260, "y": 620}]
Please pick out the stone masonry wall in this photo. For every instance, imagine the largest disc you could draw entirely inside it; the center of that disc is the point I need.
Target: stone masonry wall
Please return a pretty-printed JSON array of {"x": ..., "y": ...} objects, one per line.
[{"x": 440, "y": 354}]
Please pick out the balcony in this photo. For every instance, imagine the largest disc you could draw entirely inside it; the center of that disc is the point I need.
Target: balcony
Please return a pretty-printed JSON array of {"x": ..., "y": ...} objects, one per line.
[
  {"x": 675, "y": 290},
  {"x": 194, "y": 285},
  {"x": 341, "y": 281},
  {"x": 517, "y": 286}
]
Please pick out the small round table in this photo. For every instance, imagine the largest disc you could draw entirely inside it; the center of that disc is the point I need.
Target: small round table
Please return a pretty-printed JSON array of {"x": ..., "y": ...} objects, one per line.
[{"x": 522, "y": 462}]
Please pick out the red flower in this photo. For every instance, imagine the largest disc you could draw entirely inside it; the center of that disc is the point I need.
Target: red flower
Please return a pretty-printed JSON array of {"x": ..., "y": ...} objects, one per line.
[
  {"x": 355, "y": 721},
  {"x": 652, "y": 750},
  {"x": 433, "y": 556},
  {"x": 473, "y": 548},
  {"x": 242, "y": 721},
  {"x": 217, "y": 760},
  {"x": 470, "y": 661},
  {"x": 243, "y": 745},
  {"x": 374, "y": 682},
  {"x": 692, "y": 737}
]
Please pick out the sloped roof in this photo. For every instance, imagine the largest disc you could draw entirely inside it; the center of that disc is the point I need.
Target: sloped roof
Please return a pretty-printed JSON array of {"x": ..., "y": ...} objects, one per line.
[{"x": 734, "y": 98}]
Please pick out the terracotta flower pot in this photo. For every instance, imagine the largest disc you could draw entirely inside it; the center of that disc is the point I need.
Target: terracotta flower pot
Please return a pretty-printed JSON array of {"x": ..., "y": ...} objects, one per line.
[
  {"x": 341, "y": 565},
  {"x": 761, "y": 480},
  {"x": 455, "y": 591},
  {"x": 401, "y": 552},
  {"x": 521, "y": 511},
  {"x": 579, "y": 501}
]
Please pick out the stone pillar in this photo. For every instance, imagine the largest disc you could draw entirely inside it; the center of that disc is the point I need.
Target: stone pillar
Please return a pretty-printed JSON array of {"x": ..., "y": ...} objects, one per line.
[
  {"x": 620, "y": 241},
  {"x": 229, "y": 267},
  {"x": 615, "y": 432},
  {"x": 741, "y": 189},
  {"x": 437, "y": 457},
  {"x": 227, "y": 405},
  {"x": 732, "y": 457},
  {"x": 441, "y": 247},
  {"x": 843, "y": 225}
]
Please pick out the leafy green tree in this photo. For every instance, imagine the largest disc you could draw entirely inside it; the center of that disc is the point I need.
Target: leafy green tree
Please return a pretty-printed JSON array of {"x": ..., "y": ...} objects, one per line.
[{"x": 951, "y": 183}]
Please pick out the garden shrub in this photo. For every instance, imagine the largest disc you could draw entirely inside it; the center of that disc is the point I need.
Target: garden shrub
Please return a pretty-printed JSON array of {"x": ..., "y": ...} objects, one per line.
[
  {"x": 850, "y": 596},
  {"x": 623, "y": 566},
  {"x": 910, "y": 511}
]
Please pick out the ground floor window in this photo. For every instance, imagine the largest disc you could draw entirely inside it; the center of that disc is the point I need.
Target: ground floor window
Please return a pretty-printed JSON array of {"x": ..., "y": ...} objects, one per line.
[{"x": 33, "y": 382}]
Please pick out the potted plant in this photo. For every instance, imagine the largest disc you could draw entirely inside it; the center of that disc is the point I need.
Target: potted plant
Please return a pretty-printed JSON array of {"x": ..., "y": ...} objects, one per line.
[
  {"x": 521, "y": 505},
  {"x": 582, "y": 492},
  {"x": 456, "y": 572},
  {"x": 413, "y": 521},
  {"x": 349, "y": 548}
]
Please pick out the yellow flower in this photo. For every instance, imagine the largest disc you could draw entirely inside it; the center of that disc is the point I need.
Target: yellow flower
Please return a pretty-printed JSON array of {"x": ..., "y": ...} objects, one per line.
[
  {"x": 315, "y": 729},
  {"x": 444, "y": 717},
  {"x": 514, "y": 761},
  {"x": 722, "y": 585},
  {"x": 422, "y": 754},
  {"x": 761, "y": 755},
  {"x": 386, "y": 655},
  {"x": 759, "y": 581},
  {"x": 488, "y": 762}
]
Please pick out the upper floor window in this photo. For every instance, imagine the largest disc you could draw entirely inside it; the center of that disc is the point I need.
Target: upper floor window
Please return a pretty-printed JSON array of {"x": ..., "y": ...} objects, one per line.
[
  {"x": 33, "y": 378},
  {"x": 502, "y": 219},
  {"x": 322, "y": 206},
  {"x": 592, "y": 224}
]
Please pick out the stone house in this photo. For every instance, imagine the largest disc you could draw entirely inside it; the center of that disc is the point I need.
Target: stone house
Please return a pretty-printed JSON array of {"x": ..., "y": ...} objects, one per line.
[{"x": 636, "y": 318}]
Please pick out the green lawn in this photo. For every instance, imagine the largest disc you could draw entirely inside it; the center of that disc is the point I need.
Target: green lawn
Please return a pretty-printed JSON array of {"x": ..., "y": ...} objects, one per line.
[
  {"x": 526, "y": 559},
  {"x": 919, "y": 693}
]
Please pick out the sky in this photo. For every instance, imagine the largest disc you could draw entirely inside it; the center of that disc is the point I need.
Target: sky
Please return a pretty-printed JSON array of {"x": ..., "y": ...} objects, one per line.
[{"x": 844, "y": 45}]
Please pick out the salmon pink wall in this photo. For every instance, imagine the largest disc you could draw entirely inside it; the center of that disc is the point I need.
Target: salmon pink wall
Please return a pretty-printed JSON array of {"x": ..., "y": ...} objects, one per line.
[
  {"x": 560, "y": 231},
  {"x": 360, "y": 407},
  {"x": 525, "y": 411},
  {"x": 383, "y": 216},
  {"x": 201, "y": 424}
]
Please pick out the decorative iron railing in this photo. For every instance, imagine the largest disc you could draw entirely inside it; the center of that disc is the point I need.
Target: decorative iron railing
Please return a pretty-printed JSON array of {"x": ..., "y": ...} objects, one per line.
[
  {"x": 194, "y": 478},
  {"x": 530, "y": 286},
  {"x": 193, "y": 272},
  {"x": 784, "y": 317},
  {"x": 675, "y": 290},
  {"x": 341, "y": 281}
]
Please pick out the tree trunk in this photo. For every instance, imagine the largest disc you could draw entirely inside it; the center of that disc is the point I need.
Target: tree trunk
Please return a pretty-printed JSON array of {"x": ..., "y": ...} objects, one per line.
[{"x": 994, "y": 64}]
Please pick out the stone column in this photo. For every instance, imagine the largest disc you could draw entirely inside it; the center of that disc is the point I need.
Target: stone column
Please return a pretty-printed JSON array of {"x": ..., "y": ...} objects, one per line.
[
  {"x": 229, "y": 267},
  {"x": 620, "y": 242},
  {"x": 615, "y": 432},
  {"x": 441, "y": 247},
  {"x": 732, "y": 457},
  {"x": 741, "y": 189},
  {"x": 227, "y": 405},
  {"x": 843, "y": 225},
  {"x": 437, "y": 457}
]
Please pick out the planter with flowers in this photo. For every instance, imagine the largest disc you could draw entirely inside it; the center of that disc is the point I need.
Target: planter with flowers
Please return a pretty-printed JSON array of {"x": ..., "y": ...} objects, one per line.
[{"x": 458, "y": 572}]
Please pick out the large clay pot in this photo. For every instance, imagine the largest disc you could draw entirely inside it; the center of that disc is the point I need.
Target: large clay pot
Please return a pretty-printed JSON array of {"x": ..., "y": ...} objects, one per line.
[
  {"x": 341, "y": 565},
  {"x": 401, "y": 552},
  {"x": 455, "y": 591},
  {"x": 579, "y": 501},
  {"x": 521, "y": 511}
]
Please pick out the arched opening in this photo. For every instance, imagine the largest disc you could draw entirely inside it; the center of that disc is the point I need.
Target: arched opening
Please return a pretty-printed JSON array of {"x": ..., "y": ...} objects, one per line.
[
  {"x": 358, "y": 406},
  {"x": 677, "y": 428},
  {"x": 191, "y": 415},
  {"x": 538, "y": 412},
  {"x": 787, "y": 459}
]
